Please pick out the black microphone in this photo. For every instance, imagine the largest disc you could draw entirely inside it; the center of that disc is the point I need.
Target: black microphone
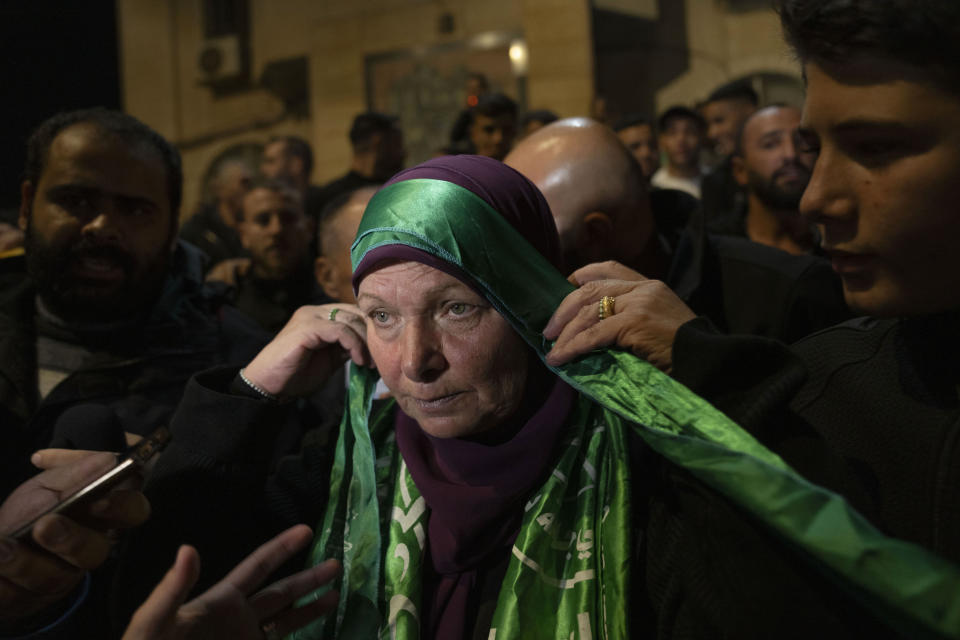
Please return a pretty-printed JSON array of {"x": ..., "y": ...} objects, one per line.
[{"x": 95, "y": 427}]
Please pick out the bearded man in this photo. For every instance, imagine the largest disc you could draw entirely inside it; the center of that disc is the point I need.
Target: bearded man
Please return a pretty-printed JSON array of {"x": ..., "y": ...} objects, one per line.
[
  {"x": 773, "y": 166},
  {"x": 104, "y": 316}
]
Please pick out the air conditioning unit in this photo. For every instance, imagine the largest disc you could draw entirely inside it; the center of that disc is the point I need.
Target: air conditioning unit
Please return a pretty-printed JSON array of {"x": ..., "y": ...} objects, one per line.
[{"x": 220, "y": 59}]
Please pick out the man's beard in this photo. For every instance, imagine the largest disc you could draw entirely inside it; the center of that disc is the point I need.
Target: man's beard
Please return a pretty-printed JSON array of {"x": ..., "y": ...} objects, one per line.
[
  {"x": 775, "y": 197},
  {"x": 75, "y": 299}
]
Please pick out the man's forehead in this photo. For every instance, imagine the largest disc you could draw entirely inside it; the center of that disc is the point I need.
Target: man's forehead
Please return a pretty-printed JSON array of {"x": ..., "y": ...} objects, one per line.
[
  {"x": 639, "y": 130},
  {"x": 772, "y": 119},
  {"x": 872, "y": 90},
  {"x": 87, "y": 141},
  {"x": 261, "y": 199},
  {"x": 275, "y": 148},
  {"x": 86, "y": 155},
  {"x": 680, "y": 123}
]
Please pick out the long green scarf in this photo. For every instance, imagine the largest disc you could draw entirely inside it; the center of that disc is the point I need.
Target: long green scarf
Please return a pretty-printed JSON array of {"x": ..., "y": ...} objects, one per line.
[{"x": 912, "y": 588}]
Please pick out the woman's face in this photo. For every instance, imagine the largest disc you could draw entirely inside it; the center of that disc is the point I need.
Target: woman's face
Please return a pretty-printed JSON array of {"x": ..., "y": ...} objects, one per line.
[{"x": 453, "y": 363}]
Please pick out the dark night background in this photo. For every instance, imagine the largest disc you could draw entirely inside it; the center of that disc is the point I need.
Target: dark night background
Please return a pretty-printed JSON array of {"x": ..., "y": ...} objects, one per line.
[{"x": 55, "y": 56}]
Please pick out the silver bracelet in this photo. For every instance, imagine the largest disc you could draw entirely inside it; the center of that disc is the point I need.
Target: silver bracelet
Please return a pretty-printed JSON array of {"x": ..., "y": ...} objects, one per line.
[{"x": 265, "y": 394}]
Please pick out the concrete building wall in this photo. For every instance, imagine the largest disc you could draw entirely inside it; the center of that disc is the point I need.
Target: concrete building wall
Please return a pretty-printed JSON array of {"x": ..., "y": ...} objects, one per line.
[
  {"x": 687, "y": 48},
  {"x": 160, "y": 41},
  {"x": 724, "y": 45}
]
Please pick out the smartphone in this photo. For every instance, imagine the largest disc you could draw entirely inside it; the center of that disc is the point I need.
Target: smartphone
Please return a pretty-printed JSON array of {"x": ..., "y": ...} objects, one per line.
[{"x": 128, "y": 463}]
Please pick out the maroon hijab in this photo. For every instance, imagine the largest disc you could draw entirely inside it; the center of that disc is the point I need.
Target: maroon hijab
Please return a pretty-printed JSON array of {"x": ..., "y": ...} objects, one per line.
[{"x": 476, "y": 490}]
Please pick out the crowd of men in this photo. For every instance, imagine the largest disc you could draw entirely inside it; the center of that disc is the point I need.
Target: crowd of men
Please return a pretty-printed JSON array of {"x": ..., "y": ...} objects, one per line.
[{"x": 746, "y": 237}]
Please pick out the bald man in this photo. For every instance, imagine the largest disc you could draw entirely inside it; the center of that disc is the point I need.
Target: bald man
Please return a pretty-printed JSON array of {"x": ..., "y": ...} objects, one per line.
[
  {"x": 213, "y": 228},
  {"x": 603, "y": 211},
  {"x": 339, "y": 222}
]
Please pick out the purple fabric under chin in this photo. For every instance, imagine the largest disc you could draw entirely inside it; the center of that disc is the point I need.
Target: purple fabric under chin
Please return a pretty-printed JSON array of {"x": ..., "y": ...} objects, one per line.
[
  {"x": 476, "y": 494},
  {"x": 505, "y": 189}
]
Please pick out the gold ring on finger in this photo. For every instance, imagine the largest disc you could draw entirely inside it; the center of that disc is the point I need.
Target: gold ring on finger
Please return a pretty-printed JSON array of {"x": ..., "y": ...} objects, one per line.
[{"x": 606, "y": 307}]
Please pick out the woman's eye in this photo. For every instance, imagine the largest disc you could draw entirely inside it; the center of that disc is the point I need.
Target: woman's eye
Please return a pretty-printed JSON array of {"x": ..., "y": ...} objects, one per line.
[
  {"x": 380, "y": 317},
  {"x": 458, "y": 308}
]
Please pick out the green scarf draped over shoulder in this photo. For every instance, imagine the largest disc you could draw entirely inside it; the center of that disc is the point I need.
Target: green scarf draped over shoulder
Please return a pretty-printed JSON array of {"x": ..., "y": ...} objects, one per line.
[{"x": 576, "y": 572}]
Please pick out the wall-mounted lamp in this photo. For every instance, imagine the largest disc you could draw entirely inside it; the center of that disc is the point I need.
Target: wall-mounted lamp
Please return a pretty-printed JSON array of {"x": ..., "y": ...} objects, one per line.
[{"x": 518, "y": 57}]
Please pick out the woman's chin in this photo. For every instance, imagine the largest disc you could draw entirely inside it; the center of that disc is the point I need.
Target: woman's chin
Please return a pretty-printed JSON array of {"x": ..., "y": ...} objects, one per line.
[{"x": 451, "y": 417}]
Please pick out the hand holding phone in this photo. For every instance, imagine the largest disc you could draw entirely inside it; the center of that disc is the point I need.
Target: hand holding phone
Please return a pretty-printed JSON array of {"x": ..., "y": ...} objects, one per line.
[
  {"x": 63, "y": 529},
  {"x": 127, "y": 465}
]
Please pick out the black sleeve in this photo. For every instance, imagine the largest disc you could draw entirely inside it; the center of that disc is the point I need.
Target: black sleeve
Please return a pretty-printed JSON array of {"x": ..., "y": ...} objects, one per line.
[
  {"x": 710, "y": 570},
  {"x": 215, "y": 486},
  {"x": 749, "y": 378},
  {"x": 755, "y": 382},
  {"x": 815, "y": 302}
]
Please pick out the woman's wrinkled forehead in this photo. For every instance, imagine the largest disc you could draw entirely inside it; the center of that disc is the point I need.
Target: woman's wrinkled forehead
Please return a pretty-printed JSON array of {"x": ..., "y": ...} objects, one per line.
[
  {"x": 405, "y": 282},
  {"x": 394, "y": 253}
]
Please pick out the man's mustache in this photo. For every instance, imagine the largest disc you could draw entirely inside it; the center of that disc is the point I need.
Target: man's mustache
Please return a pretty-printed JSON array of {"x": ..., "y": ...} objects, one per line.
[
  {"x": 98, "y": 251},
  {"x": 792, "y": 166}
]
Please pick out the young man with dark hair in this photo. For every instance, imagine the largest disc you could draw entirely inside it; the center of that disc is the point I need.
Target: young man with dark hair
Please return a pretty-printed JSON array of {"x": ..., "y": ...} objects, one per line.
[
  {"x": 213, "y": 228},
  {"x": 378, "y": 153},
  {"x": 725, "y": 110},
  {"x": 869, "y": 408},
  {"x": 636, "y": 132},
  {"x": 493, "y": 126},
  {"x": 289, "y": 158},
  {"x": 681, "y": 138},
  {"x": 475, "y": 88},
  {"x": 278, "y": 236}
]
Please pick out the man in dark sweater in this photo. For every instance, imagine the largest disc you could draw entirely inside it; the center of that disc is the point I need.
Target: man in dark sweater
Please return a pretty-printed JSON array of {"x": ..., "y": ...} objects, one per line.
[
  {"x": 725, "y": 110},
  {"x": 290, "y": 158},
  {"x": 279, "y": 279},
  {"x": 773, "y": 167},
  {"x": 213, "y": 228},
  {"x": 868, "y": 408},
  {"x": 604, "y": 211},
  {"x": 378, "y": 153}
]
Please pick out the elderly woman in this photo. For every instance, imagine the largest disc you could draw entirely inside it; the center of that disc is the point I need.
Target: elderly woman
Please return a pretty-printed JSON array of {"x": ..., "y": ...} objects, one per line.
[{"x": 494, "y": 496}]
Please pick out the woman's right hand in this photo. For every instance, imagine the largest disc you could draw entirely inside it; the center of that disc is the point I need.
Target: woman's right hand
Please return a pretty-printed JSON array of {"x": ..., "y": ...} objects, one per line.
[{"x": 309, "y": 349}]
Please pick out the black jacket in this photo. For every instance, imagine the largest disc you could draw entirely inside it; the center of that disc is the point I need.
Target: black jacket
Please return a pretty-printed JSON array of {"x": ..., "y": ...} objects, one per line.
[
  {"x": 189, "y": 329},
  {"x": 869, "y": 409},
  {"x": 271, "y": 302},
  {"x": 741, "y": 286},
  {"x": 207, "y": 231}
]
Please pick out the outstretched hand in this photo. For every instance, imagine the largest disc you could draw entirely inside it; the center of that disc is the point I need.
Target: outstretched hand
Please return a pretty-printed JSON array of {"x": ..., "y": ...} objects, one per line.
[
  {"x": 646, "y": 316},
  {"x": 309, "y": 349},
  {"x": 233, "y": 608}
]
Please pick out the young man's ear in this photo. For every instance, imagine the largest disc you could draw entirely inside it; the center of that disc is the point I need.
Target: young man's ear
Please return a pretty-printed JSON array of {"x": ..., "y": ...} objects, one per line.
[
  {"x": 739, "y": 170},
  {"x": 27, "y": 193},
  {"x": 325, "y": 272}
]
